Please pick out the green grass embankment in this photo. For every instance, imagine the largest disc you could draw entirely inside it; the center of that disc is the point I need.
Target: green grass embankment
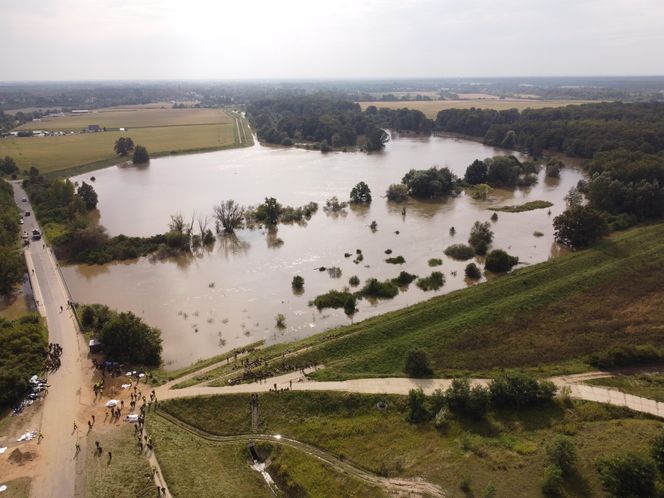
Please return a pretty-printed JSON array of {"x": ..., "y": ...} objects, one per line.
[{"x": 545, "y": 318}]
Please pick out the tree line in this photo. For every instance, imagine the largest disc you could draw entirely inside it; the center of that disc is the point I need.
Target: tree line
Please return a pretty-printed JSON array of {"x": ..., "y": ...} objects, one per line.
[{"x": 330, "y": 121}]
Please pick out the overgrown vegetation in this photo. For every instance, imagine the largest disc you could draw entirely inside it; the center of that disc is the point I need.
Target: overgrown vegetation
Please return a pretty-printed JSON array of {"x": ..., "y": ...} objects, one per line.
[
  {"x": 433, "y": 282},
  {"x": 12, "y": 266},
  {"x": 507, "y": 450},
  {"x": 380, "y": 290},
  {"x": 461, "y": 252},
  {"x": 404, "y": 279},
  {"x": 22, "y": 355},
  {"x": 526, "y": 206}
]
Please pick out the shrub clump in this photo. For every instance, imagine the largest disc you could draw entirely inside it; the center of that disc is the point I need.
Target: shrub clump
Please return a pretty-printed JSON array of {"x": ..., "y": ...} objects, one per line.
[
  {"x": 435, "y": 262},
  {"x": 381, "y": 290},
  {"x": 473, "y": 271},
  {"x": 498, "y": 261},
  {"x": 417, "y": 364},
  {"x": 516, "y": 390},
  {"x": 462, "y": 252},
  {"x": 404, "y": 279},
  {"x": 335, "y": 299},
  {"x": 398, "y": 260},
  {"x": 354, "y": 281},
  {"x": 433, "y": 282},
  {"x": 297, "y": 283},
  {"x": 397, "y": 192}
]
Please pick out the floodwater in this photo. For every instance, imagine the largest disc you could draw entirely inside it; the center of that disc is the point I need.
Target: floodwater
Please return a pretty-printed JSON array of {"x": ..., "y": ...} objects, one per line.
[{"x": 229, "y": 296}]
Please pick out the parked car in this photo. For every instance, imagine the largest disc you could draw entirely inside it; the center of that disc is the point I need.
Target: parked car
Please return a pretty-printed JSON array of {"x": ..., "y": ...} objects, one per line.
[
  {"x": 25, "y": 199},
  {"x": 25, "y": 235},
  {"x": 20, "y": 222},
  {"x": 27, "y": 213}
]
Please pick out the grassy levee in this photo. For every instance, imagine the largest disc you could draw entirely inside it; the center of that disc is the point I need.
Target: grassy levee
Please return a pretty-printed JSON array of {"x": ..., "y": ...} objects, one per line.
[
  {"x": 127, "y": 475},
  {"x": 545, "y": 318},
  {"x": 507, "y": 449}
]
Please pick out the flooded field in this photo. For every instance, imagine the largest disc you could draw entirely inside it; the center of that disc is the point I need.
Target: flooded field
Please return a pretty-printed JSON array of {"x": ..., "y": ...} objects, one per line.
[{"x": 230, "y": 295}]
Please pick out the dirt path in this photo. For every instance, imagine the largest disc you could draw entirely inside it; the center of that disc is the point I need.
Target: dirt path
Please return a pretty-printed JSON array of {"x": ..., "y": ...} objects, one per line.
[
  {"x": 55, "y": 468},
  {"x": 393, "y": 486},
  {"x": 401, "y": 385}
]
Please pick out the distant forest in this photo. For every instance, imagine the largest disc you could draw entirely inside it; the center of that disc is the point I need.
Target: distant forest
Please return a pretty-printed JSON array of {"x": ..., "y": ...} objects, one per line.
[
  {"x": 329, "y": 120},
  {"x": 575, "y": 130}
]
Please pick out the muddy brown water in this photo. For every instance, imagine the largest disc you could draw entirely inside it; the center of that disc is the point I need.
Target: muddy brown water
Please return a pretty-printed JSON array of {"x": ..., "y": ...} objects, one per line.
[{"x": 229, "y": 296}]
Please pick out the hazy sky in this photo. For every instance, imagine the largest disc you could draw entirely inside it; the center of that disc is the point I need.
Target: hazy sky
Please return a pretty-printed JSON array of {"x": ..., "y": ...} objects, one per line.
[{"x": 174, "y": 39}]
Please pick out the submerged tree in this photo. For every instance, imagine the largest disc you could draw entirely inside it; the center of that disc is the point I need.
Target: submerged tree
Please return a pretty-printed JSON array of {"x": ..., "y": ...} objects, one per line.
[
  {"x": 141, "y": 155},
  {"x": 360, "y": 194},
  {"x": 229, "y": 215}
]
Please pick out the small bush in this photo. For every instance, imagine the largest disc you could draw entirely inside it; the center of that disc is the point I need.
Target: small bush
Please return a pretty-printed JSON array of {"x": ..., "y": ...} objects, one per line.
[
  {"x": 498, "y": 261},
  {"x": 334, "y": 272},
  {"x": 354, "y": 281},
  {"x": 417, "y": 409},
  {"x": 433, "y": 282},
  {"x": 538, "y": 234},
  {"x": 624, "y": 356},
  {"x": 382, "y": 290},
  {"x": 281, "y": 321},
  {"x": 462, "y": 252},
  {"x": 397, "y": 192},
  {"x": 399, "y": 260},
  {"x": 417, "y": 364},
  {"x": 435, "y": 262},
  {"x": 297, "y": 282},
  {"x": 562, "y": 453},
  {"x": 388, "y": 251},
  {"x": 552, "y": 482},
  {"x": 657, "y": 451},
  {"x": 473, "y": 272},
  {"x": 404, "y": 279}
]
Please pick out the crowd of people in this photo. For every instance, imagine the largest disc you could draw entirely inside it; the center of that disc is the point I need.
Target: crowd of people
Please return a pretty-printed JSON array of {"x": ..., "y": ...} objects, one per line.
[{"x": 53, "y": 355}]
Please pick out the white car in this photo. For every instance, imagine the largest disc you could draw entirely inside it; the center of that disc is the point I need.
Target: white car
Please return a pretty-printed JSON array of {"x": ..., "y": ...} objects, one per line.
[
  {"x": 25, "y": 235},
  {"x": 20, "y": 222}
]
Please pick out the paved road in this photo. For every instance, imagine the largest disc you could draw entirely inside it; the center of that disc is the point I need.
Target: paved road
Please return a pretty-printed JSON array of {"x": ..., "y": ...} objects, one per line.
[{"x": 56, "y": 475}]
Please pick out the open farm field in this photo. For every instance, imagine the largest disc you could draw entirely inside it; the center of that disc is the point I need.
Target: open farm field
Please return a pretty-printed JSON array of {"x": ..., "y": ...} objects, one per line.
[
  {"x": 506, "y": 452},
  {"x": 130, "y": 117},
  {"x": 431, "y": 108},
  {"x": 162, "y": 132}
]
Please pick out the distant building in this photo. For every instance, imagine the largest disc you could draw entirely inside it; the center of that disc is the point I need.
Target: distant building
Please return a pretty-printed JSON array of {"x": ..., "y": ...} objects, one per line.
[
  {"x": 94, "y": 128},
  {"x": 80, "y": 111}
]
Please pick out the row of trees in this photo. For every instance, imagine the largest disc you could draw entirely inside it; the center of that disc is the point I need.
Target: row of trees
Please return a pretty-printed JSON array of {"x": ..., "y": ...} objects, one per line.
[
  {"x": 508, "y": 390},
  {"x": 12, "y": 266}
]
